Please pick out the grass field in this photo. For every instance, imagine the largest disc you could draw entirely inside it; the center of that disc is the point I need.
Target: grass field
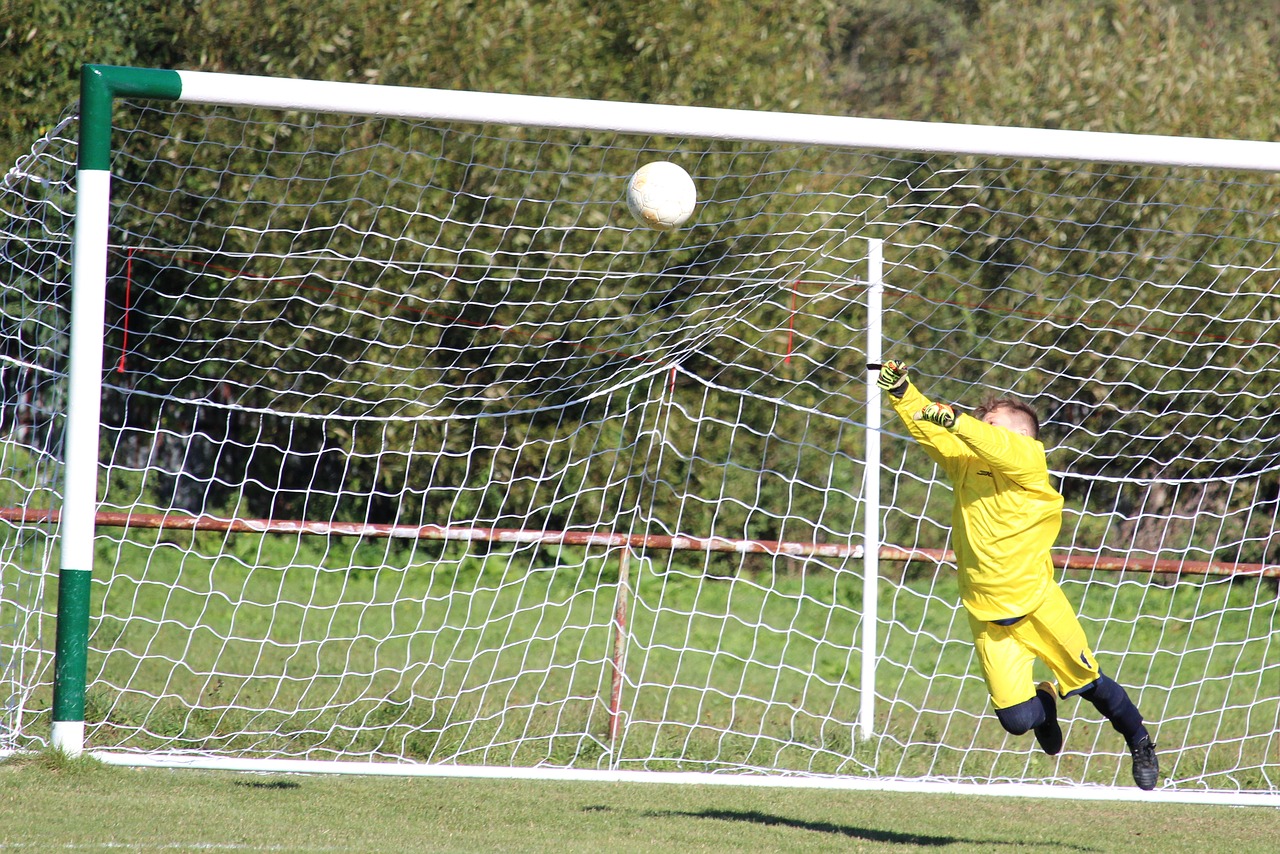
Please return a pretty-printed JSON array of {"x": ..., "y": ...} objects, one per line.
[
  {"x": 49, "y": 803},
  {"x": 360, "y": 650}
]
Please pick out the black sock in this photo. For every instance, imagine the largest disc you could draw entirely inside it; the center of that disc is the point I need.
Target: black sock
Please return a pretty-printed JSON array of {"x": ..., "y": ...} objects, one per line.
[{"x": 1113, "y": 702}]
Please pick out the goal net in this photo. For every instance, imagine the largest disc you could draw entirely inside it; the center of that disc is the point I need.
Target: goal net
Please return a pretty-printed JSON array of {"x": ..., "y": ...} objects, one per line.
[{"x": 412, "y": 447}]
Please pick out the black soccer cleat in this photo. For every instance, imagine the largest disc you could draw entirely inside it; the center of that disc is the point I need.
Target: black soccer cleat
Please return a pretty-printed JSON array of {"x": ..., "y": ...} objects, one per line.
[
  {"x": 1146, "y": 767},
  {"x": 1049, "y": 733}
]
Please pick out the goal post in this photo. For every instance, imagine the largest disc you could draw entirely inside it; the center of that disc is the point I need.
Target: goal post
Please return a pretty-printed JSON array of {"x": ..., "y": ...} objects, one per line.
[
  {"x": 871, "y": 539},
  {"x": 392, "y": 441},
  {"x": 99, "y": 87}
]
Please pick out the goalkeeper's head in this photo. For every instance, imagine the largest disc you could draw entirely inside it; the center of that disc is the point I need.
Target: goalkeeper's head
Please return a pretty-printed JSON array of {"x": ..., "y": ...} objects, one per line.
[{"x": 1010, "y": 413}]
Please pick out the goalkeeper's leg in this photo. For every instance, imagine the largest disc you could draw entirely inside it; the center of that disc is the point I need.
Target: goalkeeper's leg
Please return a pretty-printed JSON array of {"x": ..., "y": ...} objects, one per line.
[
  {"x": 1039, "y": 715},
  {"x": 1109, "y": 698},
  {"x": 1007, "y": 666},
  {"x": 1059, "y": 641},
  {"x": 1053, "y": 634}
]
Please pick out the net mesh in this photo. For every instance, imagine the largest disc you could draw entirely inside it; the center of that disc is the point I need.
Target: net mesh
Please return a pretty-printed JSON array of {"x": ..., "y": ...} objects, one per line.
[{"x": 378, "y": 394}]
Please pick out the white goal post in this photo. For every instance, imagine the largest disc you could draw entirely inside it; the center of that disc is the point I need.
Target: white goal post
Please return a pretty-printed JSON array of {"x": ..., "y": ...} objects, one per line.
[{"x": 370, "y": 432}]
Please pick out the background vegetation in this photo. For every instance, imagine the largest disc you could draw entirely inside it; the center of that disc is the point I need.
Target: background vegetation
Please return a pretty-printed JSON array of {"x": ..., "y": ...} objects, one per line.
[
  {"x": 1188, "y": 67},
  {"x": 1138, "y": 66}
]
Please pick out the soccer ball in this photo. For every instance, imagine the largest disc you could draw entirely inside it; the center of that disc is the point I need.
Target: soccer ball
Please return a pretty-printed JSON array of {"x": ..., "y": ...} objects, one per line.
[{"x": 661, "y": 195}]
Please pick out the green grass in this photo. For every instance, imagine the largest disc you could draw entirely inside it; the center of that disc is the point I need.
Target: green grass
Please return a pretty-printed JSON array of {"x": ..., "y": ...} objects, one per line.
[
  {"x": 380, "y": 649},
  {"x": 51, "y": 803}
]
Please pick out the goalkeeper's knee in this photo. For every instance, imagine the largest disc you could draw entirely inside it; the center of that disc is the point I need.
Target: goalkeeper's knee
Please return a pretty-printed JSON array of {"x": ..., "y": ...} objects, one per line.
[{"x": 1023, "y": 717}]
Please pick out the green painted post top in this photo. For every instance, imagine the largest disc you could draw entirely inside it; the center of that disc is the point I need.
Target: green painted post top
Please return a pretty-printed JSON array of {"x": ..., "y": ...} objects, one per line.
[{"x": 99, "y": 87}]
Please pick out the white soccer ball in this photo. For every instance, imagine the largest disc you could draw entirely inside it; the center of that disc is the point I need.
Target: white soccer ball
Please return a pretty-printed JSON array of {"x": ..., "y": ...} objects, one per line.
[{"x": 661, "y": 195}]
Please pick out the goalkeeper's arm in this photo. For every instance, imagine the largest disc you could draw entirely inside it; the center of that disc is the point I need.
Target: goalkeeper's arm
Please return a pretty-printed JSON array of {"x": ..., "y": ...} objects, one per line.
[{"x": 907, "y": 400}]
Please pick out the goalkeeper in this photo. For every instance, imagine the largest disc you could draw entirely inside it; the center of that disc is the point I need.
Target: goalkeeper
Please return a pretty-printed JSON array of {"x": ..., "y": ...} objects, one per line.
[{"x": 1005, "y": 520}]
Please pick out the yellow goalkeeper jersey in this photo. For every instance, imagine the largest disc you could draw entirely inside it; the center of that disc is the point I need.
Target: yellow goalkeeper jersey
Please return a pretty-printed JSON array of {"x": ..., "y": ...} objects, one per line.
[{"x": 1006, "y": 516}]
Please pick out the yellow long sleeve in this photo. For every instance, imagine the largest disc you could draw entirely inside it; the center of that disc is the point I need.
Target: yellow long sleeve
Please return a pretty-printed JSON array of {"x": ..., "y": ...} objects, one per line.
[{"x": 1007, "y": 514}]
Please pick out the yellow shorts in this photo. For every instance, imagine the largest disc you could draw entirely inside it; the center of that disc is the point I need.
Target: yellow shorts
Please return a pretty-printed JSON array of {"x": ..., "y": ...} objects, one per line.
[{"x": 1051, "y": 633}]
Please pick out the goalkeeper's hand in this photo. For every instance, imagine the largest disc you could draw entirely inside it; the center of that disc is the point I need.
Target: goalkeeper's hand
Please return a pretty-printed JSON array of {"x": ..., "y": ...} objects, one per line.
[
  {"x": 893, "y": 377},
  {"x": 937, "y": 413}
]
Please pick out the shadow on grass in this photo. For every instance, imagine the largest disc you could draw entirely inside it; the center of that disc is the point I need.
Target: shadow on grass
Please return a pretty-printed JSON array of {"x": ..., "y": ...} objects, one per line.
[
  {"x": 851, "y": 832},
  {"x": 267, "y": 784}
]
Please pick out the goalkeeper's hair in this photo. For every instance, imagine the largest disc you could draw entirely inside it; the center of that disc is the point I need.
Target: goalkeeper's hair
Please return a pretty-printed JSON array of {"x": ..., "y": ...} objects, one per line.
[{"x": 1008, "y": 403}]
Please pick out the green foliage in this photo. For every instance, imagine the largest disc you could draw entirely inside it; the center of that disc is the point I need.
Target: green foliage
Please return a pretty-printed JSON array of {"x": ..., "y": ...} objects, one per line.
[
  {"x": 1122, "y": 65},
  {"x": 765, "y": 55},
  {"x": 1131, "y": 66},
  {"x": 887, "y": 54}
]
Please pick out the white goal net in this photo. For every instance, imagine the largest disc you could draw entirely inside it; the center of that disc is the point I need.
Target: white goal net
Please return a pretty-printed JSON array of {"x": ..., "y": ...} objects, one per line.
[{"x": 417, "y": 449}]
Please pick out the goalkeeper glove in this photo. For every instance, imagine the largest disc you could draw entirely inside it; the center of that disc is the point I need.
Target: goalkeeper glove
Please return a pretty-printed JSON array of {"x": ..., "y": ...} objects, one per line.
[
  {"x": 938, "y": 413},
  {"x": 893, "y": 377}
]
